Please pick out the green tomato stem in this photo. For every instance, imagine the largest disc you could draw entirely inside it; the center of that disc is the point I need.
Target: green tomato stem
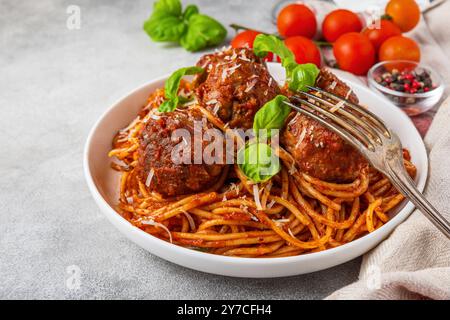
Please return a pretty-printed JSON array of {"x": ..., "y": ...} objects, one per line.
[
  {"x": 238, "y": 27},
  {"x": 323, "y": 43}
]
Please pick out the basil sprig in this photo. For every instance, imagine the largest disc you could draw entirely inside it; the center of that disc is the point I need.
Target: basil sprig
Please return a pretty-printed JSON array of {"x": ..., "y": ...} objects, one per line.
[
  {"x": 194, "y": 31},
  {"x": 298, "y": 76},
  {"x": 265, "y": 43},
  {"x": 257, "y": 162},
  {"x": 302, "y": 76},
  {"x": 171, "y": 88},
  {"x": 271, "y": 116}
]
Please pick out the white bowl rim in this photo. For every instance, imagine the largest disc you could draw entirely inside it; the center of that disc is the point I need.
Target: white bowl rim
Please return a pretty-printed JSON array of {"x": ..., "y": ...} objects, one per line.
[{"x": 190, "y": 253}]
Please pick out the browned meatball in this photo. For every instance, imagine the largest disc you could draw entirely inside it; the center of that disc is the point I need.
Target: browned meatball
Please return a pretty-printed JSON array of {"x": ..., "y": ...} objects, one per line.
[
  {"x": 235, "y": 85},
  {"x": 318, "y": 151},
  {"x": 329, "y": 82},
  {"x": 155, "y": 152}
]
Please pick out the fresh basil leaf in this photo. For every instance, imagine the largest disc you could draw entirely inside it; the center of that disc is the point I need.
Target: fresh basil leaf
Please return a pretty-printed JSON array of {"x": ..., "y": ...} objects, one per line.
[
  {"x": 171, "y": 7},
  {"x": 189, "y": 11},
  {"x": 173, "y": 82},
  {"x": 172, "y": 85},
  {"x": 202, "y": 32},
  {"x": 257, "y": 162},
  {"x": 303, "y": 75},
  {"x": 289, "y": 64},
  {"x": 192, "y": 30},
  {"x": 297, "y": 76},
  {"x": 271, "y": 116},
  {"x": 167, "y": 106},
  {"x": 164, "y": 28},
  {"x": 264, "y": 43},
  {"x": 166, "y": 22}
]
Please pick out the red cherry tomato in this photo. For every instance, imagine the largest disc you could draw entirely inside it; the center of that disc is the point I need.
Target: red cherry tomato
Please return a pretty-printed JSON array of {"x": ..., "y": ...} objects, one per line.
[
  {"x": 339, "y": 22},
  {"x": 404, "y": 13},
  {"x": 399, "y": 48},
  {"x": 378, "y": 34},
  {"x": 304, "y": 49},
  {"x": 297, "y": 20},
  {"x": 354, "y": 53},
  {"x": 245, "y": 39}
]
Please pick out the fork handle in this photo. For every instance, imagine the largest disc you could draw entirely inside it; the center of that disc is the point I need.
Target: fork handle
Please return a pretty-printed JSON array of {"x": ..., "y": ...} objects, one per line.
[{"x": 403, "y": 182}]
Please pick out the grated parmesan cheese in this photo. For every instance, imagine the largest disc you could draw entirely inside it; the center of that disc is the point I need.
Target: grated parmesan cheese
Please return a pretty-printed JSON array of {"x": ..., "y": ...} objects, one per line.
[
  {"x": 269, "y": 186},
  {"x": 149, "y": 177},
  {"x": 216, "y": 108},
  {"x": 250, "y": 85},
  {"x": 301, "y": 138},
  {"x": 280, "y": 220},
  {"x": 212, "y": 101},
  {"x": 349, "y": 92},
  {"x": 271, "y": 203},
  {"x": 337, "y": 106},
  {"x": 292, "y": 169},
  {"x": 190, "y": 220},
  {"x": 232, "y": 69},
  {"x": 290, "y": 233},
  {"x": 234, "y": 187},
  {"x": 256, "y": 196},
  {"x": 205, "y": 64},
  {"x": 190, "y": 102},
  {"x": 332, "y": 85},
  {"x": 152, "y": 222}
]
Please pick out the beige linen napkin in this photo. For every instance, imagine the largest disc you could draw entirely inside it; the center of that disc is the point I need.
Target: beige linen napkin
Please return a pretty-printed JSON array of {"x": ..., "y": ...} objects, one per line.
[{"x": 414, "y": 262}]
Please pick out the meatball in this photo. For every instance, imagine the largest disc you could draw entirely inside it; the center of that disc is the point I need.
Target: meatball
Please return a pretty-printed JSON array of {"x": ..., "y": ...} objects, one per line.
[
  {"x": 235, "y": 85},
  {"x": 172, "y": 177},
  {"x": 318, "y": 151},
  {"x": 329, "y": 82}
]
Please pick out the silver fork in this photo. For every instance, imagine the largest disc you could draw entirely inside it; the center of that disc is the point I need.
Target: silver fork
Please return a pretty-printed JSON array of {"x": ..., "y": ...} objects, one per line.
[{"x": 368, "y": 134}]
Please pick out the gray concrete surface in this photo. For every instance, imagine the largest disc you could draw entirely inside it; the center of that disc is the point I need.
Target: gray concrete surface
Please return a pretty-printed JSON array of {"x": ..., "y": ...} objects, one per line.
[{"x": 54, "y": 84}]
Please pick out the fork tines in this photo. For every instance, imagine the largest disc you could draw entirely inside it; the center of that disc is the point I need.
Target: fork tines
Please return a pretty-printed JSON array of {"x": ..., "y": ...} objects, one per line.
[{"x": 353, "y": 122}]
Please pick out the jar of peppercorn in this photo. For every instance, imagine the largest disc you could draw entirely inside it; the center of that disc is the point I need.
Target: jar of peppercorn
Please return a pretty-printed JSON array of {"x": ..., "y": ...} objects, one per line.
[{"x": 412, "y": 86}]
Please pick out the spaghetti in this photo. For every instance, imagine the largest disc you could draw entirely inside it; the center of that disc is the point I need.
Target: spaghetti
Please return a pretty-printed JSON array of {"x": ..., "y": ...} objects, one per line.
[{"x": 293, "y": 213}]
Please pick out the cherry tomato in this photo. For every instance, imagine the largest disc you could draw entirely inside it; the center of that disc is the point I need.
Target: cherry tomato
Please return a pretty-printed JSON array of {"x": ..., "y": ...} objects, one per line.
[
  {"x": 378, "y": 34},
  {"x": 399, "y": 48},
  {"x": 304, "y": 49},
  {"x": 404, "y": 13},
  {"x": 339, "y": 22},
  {"x": 297, "y": 20},
  {"x": 245, "y": 39},
  {"x": 354, "y": 53}
]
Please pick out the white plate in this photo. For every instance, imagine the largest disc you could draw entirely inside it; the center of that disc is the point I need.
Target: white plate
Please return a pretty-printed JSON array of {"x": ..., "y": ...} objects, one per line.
[{"x": 103, "y": 183}]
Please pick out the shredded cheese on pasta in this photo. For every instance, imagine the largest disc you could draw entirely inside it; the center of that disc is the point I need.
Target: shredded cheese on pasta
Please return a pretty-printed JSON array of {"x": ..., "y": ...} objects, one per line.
[
  {"x": 152, "y": 222},
  {"x": 256, "y": 196},
  {"x": 148, "y": 181}
]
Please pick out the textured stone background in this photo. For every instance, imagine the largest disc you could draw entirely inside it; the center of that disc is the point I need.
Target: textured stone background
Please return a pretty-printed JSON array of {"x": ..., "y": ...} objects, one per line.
[{"x": 54, "y": 84}]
